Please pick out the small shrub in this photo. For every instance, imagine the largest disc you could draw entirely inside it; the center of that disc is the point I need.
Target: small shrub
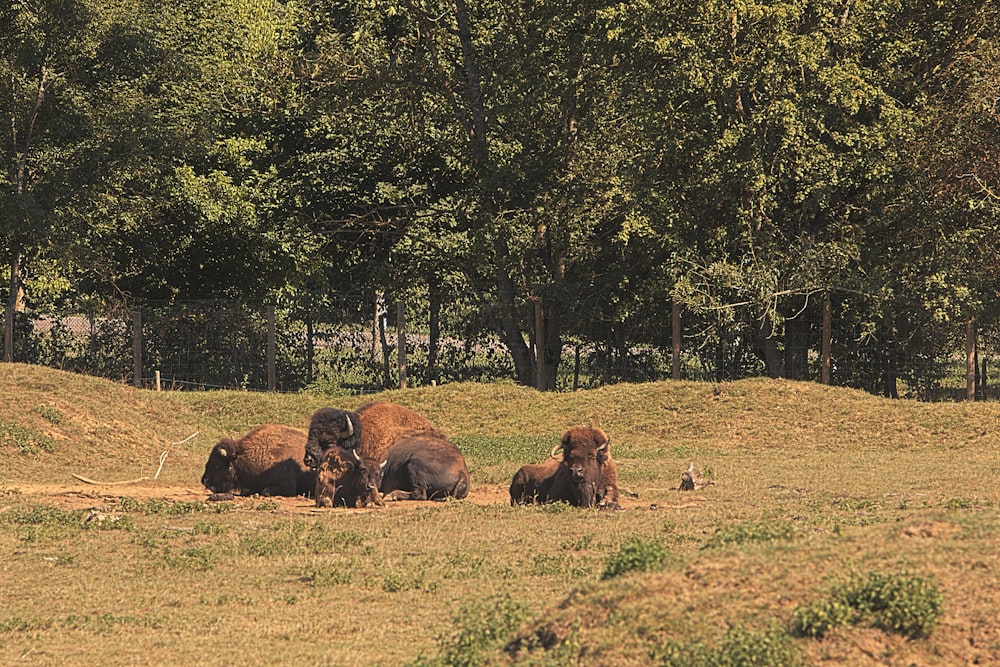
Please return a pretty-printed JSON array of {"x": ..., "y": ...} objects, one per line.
[
  {"x": 481, "y": 628},
  {"x": 738, "y": 648},
  {"x": 53, "y": 415},
  {"x": 904, "y": 604},
  {"x": 901, "y": 603},
  {"x": 636, "y": 556},
  {"x": 744, "y": 533},
  {"x": 818, "y": 618}
]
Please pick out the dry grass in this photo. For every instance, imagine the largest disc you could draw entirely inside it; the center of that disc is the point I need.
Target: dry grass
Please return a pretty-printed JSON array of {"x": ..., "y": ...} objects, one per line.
[{"x": 812, "y": 484}]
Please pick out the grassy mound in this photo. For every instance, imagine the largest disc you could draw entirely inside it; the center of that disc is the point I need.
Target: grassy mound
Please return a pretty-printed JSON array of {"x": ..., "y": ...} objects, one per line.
[{"x": 840, "y": 528}]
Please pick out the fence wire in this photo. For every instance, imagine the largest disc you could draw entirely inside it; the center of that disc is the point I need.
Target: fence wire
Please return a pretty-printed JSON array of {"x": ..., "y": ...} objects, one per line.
[{"x": 349, "y": 343}]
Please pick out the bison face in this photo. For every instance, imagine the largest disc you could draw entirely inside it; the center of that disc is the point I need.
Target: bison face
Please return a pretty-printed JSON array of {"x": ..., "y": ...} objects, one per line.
[
  {"x": 331, "y": 427},
  {"x": 364, "y": 475},
  {"x": 346, "y": 479},
  {"x": 220, "y": 475},
  {"x": 583, "y": 450}
]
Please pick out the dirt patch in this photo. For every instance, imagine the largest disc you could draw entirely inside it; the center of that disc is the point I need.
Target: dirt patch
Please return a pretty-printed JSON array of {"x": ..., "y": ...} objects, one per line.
[{"x": 80, "y": 495}]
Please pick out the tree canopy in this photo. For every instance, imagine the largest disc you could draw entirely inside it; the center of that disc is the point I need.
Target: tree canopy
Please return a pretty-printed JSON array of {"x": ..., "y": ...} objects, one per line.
[{"x": 569, "y": 168}]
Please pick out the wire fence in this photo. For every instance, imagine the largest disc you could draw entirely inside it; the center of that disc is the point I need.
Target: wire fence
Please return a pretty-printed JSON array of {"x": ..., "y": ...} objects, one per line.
[{"x": 350, "y": 344}]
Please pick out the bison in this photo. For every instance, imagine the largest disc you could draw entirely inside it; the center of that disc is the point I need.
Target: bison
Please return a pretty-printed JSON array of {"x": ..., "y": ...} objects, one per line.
[
  {"x": 424, "y": 467},
  {"x": 584, "y": 474},
  {"x": 347, "y": 479},
  {"x": 370, "y": 430},
  {"x": 268, "y": 460}
]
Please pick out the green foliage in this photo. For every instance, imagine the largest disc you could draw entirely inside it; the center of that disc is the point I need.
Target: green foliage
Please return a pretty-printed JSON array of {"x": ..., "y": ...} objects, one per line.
[
  {"x": 24, "y": 439},
  {"x": 739, "y": 647},
  {"x": 748, "y": 533},
  {"x": 902, "y": 603},
  {"x": 481, "y": 627},
  {"x": 636, "y": 556}
]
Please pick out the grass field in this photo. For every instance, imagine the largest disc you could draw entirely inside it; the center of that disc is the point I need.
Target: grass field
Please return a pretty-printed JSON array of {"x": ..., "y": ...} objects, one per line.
[{"x": 841, "y": 528}]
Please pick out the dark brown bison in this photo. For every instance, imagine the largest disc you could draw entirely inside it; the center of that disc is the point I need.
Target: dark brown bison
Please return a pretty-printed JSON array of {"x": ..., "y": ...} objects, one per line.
[
  {"x": 583, "y": 474},
  {"x": 424, "y": 467},
  {"x": 268, "y": 460},
  {"x": 370, "y": 430},
  {"x": 347, "y": 479}
]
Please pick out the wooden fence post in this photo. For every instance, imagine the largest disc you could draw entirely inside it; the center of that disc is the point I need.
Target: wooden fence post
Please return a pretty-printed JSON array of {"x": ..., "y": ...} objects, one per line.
[
  {"x": 401, "y": 342},
  {"x": 137, "y": 348},
  {"x": 827, "y": 343},
  {"x": 675, "y": 340},
  {"x": 970, "y": 359},
  {"x": 272, "y": 368}
]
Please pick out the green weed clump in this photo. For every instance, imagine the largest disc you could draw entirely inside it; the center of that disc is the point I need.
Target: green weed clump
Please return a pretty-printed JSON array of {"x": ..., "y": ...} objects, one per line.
[
  {"x": 906, "y": 604},
  {"x": 755, "y": 531},
  {"x": 24, "y": 439},
  {"x": 481, "y": 629},
  {"x": 739, "y": 648},
  {"x": 636, "y": 556}
]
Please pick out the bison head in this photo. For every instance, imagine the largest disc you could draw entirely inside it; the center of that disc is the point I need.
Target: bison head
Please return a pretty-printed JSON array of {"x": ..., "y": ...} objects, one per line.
[
  {"x": 220, "y": 475},
  {"x": 331, "y": 427},
  {"x": 584, "y": 449},
  {"x": 345, "y": 478}
]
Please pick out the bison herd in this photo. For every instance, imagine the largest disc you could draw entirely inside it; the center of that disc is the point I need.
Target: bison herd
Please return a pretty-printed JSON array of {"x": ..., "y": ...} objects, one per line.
[{"x": 385, "y": 451}]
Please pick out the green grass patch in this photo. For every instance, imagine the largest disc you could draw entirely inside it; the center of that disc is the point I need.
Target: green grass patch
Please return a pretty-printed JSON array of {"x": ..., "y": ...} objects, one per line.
[
  {"x": 906, "y": 604},
  {"x": 749, "y": 533},
  {"x": 24, "y": 439},
  {"x": 636, "y": 556}
]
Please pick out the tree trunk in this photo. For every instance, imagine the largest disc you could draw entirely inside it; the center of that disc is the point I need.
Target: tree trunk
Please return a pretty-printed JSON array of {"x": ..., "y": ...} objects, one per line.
[
  {"x": 827, "y": 342},
  {"x": 970, "y": 359},
  {"x": 14, "y": 299},
  {"x": 401, "y": 343},
  {"x": 509, "y": 329},
  {"x": 675, "y": 340},
  {"x": 773, "y": 362},
  {"x": 435, "y": 331},
  {"x": 797, "y": 342}
]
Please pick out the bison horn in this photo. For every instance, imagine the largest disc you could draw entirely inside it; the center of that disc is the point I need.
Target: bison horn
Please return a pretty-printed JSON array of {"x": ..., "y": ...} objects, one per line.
[
  {"x": 223, "y": 453},
  {"x": 604, "y": 446},
  {"x": 350, "y": 426},
  {"x": 357, "y": 457},
  {"x": 555, "y": 452},
  {"x": 382, "y": 465}
]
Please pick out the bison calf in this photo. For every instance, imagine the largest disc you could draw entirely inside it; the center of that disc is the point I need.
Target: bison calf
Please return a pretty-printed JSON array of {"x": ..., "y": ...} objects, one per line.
[
  {"x": 424, "y": 467},
  {"x": 268, "y": 460},
  {"x": 347, "y": 479}
]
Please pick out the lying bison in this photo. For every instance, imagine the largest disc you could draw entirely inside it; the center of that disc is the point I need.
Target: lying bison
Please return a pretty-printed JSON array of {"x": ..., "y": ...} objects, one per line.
[
  {"x": 268, "y": 460},
  {"x": 370, "y": 430},
  {"x": 346, "y": 479},
  {"x": 424, "y": 467},
  {"x": 584, "y": 474}
]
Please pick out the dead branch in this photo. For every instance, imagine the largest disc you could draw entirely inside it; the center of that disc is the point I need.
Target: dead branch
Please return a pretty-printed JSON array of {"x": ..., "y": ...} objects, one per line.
[{"x": 163, "y": 459}]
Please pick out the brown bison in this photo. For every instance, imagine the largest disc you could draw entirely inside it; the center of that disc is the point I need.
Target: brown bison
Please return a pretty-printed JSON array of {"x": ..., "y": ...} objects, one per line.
[
  {"x": 370, "y": 430},
  {"x": 584, "y": 475},
  {"x": 268, "y": 460},
  {"x": 346, "y": 479},
  {"x": 424, "y": 467}
]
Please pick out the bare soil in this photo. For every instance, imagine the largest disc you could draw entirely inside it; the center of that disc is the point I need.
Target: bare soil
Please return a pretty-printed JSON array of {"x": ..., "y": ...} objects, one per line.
[{"x": 81, "y": 495}]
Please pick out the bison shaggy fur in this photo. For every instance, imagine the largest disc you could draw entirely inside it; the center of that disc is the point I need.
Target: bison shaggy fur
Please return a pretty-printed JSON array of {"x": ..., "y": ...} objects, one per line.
[
  {"x": 268, "y": 460},
  {"x": 584, "y": 475},
  {"x": 370, "y": 430},
  {"x": 424, "y": 467},
  {"x": 345, "y": 479}
]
